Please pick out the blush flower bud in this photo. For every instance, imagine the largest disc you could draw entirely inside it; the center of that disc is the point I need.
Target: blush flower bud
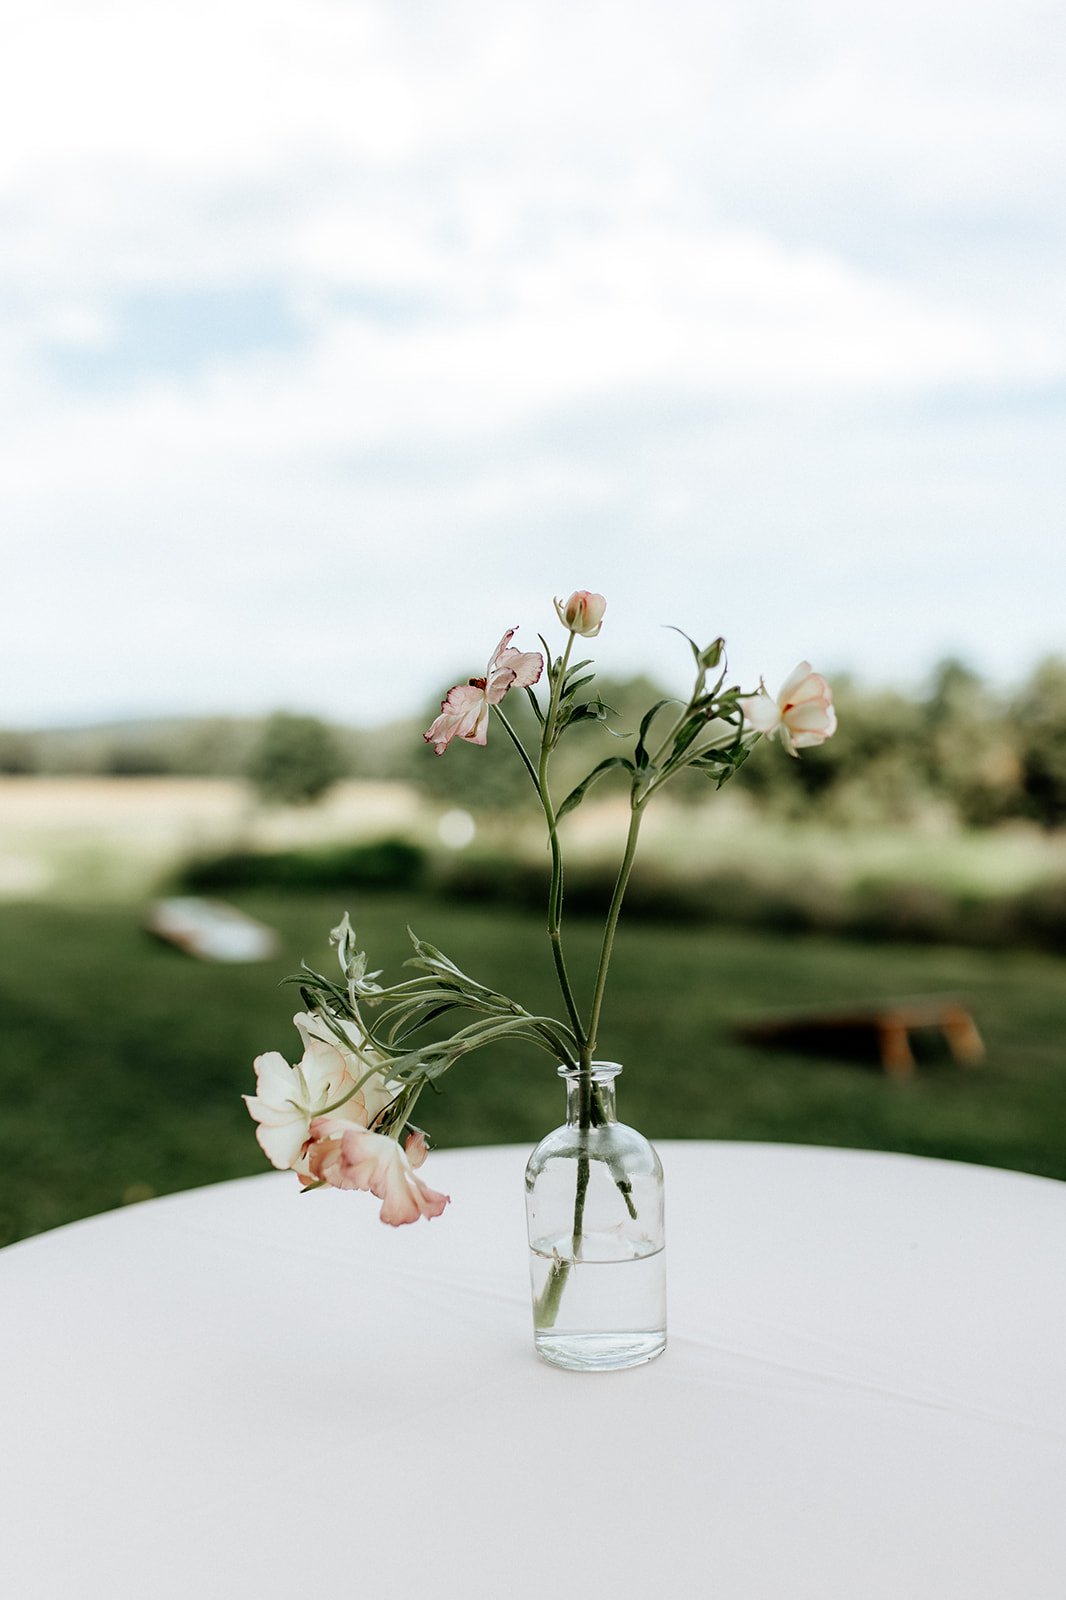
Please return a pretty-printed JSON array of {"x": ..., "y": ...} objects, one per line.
[{"x": 582, "y": 613}]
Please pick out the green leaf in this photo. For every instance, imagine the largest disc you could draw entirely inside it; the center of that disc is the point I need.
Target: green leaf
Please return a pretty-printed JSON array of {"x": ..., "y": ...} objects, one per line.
[
  {"x": 588, "y": 710},
  {"x": 693, "y": 646},
  {"x": 640, "y": 755},
  {"x": 398, "y": 1033},
  {"x": 686, "y": 734},
  {"x": 575, "y": 797},
  {"x": 738, "y": 761}
]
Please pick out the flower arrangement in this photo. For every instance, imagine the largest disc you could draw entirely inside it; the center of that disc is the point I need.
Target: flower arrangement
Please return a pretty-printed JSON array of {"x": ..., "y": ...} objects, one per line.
[{"x": 341, "y": 1116}]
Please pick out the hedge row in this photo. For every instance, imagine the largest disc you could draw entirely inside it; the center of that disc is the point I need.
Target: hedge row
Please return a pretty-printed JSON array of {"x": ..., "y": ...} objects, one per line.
[{"x": 871, "y": 908}]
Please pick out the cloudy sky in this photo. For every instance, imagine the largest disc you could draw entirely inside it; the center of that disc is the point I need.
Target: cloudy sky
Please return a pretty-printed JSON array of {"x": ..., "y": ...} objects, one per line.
[{"x": 337, "y": 337}]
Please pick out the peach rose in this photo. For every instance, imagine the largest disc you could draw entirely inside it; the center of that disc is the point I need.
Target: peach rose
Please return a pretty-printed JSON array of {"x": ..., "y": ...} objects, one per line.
[{"x": 801, "y": 715}]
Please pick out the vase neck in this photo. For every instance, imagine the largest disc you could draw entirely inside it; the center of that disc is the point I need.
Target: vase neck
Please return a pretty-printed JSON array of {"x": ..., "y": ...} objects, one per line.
[{"x": 590, "y": 1095}]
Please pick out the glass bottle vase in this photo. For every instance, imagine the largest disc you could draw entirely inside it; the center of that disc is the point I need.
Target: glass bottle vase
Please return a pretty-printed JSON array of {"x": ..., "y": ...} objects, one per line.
[{"x": 594, "y": 1211}]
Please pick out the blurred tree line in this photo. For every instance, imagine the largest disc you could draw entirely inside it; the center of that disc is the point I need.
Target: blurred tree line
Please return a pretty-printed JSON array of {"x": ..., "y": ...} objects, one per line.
[
  {"x": 977, "y": 754},
  {"x": 981, "y": 755}
]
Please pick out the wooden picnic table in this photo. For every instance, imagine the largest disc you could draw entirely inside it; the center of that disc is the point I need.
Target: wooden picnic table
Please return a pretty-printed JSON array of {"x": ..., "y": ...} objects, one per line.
[{"x": 887, "y": 1024}]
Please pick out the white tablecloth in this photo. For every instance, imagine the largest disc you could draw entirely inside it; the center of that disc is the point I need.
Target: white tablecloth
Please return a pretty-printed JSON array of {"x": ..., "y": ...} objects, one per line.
[{"x": 246, "y": 1391}]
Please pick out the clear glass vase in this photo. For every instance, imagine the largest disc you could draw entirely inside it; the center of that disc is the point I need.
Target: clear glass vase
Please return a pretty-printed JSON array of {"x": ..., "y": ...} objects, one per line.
[{"x": 594, "y": 1209}]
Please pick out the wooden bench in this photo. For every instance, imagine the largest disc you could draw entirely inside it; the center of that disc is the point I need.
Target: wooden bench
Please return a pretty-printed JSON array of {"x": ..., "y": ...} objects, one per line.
[{"x": 887, "y": 1024}]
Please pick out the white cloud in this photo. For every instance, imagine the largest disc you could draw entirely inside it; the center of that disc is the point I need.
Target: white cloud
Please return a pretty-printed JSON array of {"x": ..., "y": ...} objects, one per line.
[{"x": 726, "y": 302}]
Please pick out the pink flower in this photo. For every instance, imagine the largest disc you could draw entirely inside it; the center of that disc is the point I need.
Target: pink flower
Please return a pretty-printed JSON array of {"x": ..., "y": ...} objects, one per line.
[
  {"x": 582, "y": 613},
  {"x": 464, "y": 712},
  {"x": 801, "y": 715},
  {"x": 348, "y": 1157}
]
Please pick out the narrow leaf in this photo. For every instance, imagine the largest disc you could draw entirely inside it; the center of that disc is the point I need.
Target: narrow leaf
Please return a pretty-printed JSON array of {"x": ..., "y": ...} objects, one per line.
[
  {"x": 738, "y": 761},
  {"x": 588, "y": 710},
  {"x": 641, "y": 754},
  {"x": 693, "y": 646},
  {"x": 686, "y": 734}
]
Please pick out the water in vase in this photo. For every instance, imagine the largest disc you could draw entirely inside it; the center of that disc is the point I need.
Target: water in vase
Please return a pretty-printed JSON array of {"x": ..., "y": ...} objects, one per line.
[{"x": 600, "y": 1311}]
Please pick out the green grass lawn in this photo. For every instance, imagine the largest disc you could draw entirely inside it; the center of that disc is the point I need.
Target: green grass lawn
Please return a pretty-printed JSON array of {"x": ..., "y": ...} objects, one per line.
[{"x": 122, "y": 1062}]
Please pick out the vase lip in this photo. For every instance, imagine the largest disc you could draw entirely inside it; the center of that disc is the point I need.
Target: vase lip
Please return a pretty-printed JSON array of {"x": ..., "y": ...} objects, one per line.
[{"x": 603, "y": 1071}]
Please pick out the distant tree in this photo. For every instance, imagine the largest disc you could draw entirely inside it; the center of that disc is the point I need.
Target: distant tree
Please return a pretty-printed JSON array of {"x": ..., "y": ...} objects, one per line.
[
  {"x": 970, "y": 754},
  {"x": 215, "y": 747},
  {"x": 468, "y": 776},
  {"x": 1040, "y": 721},
  {"x": 131, "y": 758},
  {"x": 295, "y": 760},
  {"x": 495, "y": 779},
  {"x": 18, "y": 752},
  {"x": 872, "y": 768}
]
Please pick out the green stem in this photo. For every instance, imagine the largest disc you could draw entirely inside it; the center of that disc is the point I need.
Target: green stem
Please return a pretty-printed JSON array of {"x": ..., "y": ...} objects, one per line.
[
  {"x": 546, "y": 1308},
  {"x": 555, "y": 891},
  {"x": 583, "y": 1167},
  {"x": 588, "y": 1051},
  {"x": 591, "y": 1104},
  {"x": 612, "y": 923}
]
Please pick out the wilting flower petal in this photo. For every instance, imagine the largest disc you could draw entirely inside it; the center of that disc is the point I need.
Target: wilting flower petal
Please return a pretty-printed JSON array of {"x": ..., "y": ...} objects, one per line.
[
  {"x": 582, "y": 613},
  {"x": 464, "y": 712},
  {"x": 511, "y": 669},
  {"x": 416, "y": 1148},
  {"x": 802, "y": 714},
  {"x": 347, "y": 1157}
]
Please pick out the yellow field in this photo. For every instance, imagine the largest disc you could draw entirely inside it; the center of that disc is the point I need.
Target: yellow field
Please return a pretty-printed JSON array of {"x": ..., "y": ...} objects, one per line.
[{"x": 109, "y": 838}]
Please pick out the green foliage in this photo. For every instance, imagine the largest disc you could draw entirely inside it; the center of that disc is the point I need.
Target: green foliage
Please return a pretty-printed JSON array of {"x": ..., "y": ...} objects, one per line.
[
  {"x": 102, "y": 1102},
  {"x": 962, "y": 749},
  {"x": 212, "y": 746},
  {"x": 178, "y": 746},
  {"x": 18, "y": 752},
  {"x": 462, "y": 776},
  {"x": 975, "y": 754},
  {"x": 887, "y": 905},
  {"x": 971, "y": 757},
  {"x": 134, "y": 759},
  {"x": 295, "y": 760},
  {"x": 394, "y": 1018},
  {"x": 1040, "y": 715},
  {"x": 378, "y": 864}
]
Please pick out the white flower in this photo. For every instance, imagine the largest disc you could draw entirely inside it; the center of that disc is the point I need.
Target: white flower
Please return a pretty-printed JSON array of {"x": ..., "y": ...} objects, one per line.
[
  {"x": 802, "y": 713},
  {"x": 288, "y": 1097}
]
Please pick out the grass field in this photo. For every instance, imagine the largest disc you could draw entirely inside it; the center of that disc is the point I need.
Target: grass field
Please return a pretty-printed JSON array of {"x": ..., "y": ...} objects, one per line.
[{"x": 122, "y": 1062}]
